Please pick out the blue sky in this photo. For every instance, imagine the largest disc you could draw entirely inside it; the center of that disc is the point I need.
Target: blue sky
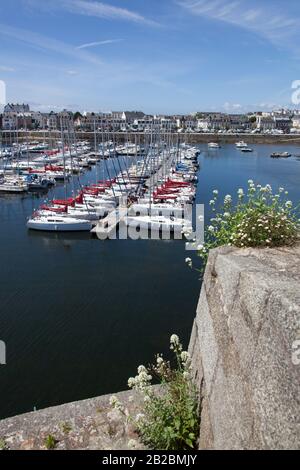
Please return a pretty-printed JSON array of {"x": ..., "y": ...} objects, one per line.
[{"x": 161, "y": 56}]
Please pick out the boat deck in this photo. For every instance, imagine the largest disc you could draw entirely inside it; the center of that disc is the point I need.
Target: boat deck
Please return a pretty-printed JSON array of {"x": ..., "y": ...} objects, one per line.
[{"x": 109, "y": 224}]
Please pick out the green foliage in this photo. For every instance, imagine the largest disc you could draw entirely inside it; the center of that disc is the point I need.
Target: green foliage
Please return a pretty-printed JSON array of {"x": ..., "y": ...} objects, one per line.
[
  {"x": 50, "y": 442},
  {"x": 259, "y": 219},
  {"x": 77, "y": 115},
  {"x": 66, "y": 428},
  {"x": 170, "y": 417},
  {"x": 3, "y": 444}
]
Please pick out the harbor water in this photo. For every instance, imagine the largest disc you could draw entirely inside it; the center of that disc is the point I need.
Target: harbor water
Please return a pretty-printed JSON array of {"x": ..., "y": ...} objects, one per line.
[{"x": 78, "y": 315}]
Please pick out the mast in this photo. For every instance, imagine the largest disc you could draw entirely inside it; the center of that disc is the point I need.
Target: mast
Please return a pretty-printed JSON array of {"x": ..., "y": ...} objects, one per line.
[{"x": 64, "y": 156}]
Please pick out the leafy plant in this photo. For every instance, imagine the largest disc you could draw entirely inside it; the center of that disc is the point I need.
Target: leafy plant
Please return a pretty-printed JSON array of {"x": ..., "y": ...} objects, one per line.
[
  {"x": 3, "y": 444},
  {"x": 260, "y": 218},
  {"x": 170, "y": 417},
  {"x": 50, "y": 442},
  {"x": 66, "y": 428}
]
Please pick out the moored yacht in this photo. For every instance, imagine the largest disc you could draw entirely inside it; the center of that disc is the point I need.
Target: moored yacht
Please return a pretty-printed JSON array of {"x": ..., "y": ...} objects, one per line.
[
  {"x": 241, "y": 144},
  {"x": 16, "y": 185},
  {"x": 58, "y": 223},
  {"x": 160, "y": 223}
]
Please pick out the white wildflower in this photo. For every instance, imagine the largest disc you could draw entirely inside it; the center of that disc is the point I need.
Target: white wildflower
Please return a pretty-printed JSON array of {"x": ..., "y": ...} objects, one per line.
[
  {"x": 113, "y": 400},
  {"x": 115, "y": 403},
  {"x": 131, "y": 382},
  {"x": 174, "y": 340},
  {"x": 159, "y": 361},
  {"x": 142, "y": 370},
  {"x": 228, "y": 199},
  {"x": 288, "y": 204},
  {"x": 184, "y": 356},
  {"x": 215, "y": 192}
]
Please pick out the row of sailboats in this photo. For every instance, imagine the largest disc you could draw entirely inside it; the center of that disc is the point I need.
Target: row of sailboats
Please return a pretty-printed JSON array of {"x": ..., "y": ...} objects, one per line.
[
  {"x": 157, "y": 182},
  {"x": 166, "y": 204}
]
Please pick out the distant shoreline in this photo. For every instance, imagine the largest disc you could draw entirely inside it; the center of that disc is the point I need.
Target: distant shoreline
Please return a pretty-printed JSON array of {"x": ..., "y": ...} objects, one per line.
[{"x": 288, "y": 139}]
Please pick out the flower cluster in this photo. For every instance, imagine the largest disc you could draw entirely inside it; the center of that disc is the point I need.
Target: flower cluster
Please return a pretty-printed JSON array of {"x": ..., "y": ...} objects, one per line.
[
  {"x": 170, "y": 415},
  {"x": 141, "y": 381},
  {"x": 116, "y": 404},
  {"x": 259, "y": 218}
]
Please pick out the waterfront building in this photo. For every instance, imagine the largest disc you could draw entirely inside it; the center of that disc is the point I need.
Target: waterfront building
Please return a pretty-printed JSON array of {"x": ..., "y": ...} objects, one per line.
[
  {"x": 52, "y": 121},
  {"x": 283, "y": 123},
  {"x": 265, "y": 123},
  {"x": 16, "y": 108}
]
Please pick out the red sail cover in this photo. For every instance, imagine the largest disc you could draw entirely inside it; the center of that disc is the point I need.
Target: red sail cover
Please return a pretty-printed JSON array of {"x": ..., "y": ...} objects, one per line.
[
  {"x": 53, "y": 168},
  {"x": 58, "y": 210},
  {"x": 64, "y": 202},
  {"x": 35, "y": 171}
]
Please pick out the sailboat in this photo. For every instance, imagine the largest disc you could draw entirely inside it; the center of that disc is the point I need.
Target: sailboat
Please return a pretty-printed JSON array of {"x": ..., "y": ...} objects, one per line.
[
  {"x": 161, "y": 208},
  {"x": 58, "y": 223},
  {"x": 13, "y": 185},
  {"x": 57, "y": 219},
  {"x": 159, "y": 222}
]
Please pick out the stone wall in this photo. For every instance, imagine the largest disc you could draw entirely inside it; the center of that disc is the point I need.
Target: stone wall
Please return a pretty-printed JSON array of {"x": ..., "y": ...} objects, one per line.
[
  {"x": 83, "y": 425},
  {"x": 120, "y": 137},
  {"x": 247, "y": 319}
]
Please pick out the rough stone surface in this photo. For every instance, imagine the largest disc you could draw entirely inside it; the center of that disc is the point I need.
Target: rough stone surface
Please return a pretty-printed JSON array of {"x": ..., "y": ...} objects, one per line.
[
  {"x": 247, "y": 319},
  {"x": 89, "y": 424}
]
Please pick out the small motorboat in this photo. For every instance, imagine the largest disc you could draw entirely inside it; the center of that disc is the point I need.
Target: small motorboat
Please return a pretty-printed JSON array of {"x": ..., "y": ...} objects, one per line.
[
  {"x": 241, "y": 144},
  {"x": 281, "y": 155}
]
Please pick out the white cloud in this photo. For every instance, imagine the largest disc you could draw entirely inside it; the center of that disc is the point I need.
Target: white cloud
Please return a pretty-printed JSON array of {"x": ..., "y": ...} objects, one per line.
[
  {"x": 45, "y": 43},
  {"x": 99, "y": 43},
  {"x": 95, "y": 9},
  {"x": 232, "y": 106},
  {"x": 266, "y": 19},
  {"x": 72, "y": 72}
]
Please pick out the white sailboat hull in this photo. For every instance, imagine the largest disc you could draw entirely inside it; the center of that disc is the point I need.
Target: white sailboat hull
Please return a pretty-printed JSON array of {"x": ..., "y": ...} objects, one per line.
[
  {"x": 59, "y": 224},
  {"x": 162, "y": 224}
]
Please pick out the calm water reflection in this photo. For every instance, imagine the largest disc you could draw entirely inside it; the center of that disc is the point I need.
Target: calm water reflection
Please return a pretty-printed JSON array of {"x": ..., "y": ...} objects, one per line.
[{"x": 78, "y": 315}]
